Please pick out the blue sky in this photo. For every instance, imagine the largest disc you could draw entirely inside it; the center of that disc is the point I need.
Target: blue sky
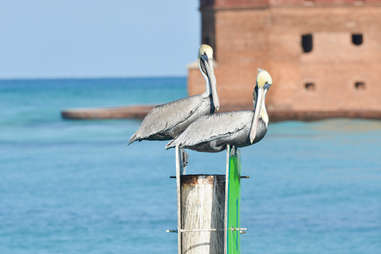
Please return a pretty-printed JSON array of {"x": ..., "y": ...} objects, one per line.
[{"x": 97, "y": 38}]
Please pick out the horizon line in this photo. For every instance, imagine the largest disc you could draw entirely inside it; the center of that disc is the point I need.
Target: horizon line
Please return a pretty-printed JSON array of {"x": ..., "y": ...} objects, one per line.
[{"x": 92, "y": 77}]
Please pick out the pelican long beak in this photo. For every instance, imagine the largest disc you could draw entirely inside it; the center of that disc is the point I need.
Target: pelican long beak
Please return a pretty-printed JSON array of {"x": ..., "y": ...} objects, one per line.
[
  {"x": 213, "y": 85},
  {"x": 258, "y": 109},
  {"x": 207, "y": 67},
  {"x": 204, "y": 63}
]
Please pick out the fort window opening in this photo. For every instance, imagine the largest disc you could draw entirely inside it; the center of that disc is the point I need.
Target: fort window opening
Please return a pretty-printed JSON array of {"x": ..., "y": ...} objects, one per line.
[
  {"x": 309, "y": 86},
  {"x": 359, "y": 85},
  {"x": 357, "y": 39},
  {"x": 307, "y": 43}
]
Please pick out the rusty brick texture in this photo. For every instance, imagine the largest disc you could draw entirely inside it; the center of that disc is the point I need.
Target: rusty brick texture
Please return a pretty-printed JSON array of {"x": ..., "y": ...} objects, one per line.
[{"x": 342, "y": 72}]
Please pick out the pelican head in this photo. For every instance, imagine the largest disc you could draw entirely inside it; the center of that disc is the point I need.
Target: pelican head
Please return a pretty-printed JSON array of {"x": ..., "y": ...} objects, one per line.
[
  {"x": 206, "y": 67},
  {"x": 264, "y": 79},
  {"x": 206, "y": 59},
  {"x": 207, "y": 50},
  {"x": 263, "y": 83}
]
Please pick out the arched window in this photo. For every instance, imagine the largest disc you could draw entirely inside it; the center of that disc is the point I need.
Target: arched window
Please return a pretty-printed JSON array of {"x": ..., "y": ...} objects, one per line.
[
  {"x": 309, "y": 86},
  {"x": 360, "y": 85},
  {"x": 357, "y": 39},
  {"x": 307, "y": 43}
]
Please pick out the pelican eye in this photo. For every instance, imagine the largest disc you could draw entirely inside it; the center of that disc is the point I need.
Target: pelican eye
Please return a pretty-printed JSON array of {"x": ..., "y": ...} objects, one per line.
[{"x": 267, "y": 85}]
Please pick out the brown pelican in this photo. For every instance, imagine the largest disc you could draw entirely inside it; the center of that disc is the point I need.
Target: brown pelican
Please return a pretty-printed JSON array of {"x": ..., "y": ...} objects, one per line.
[
  {"x": 167, "y": 121},
  {"x": 212, "y": 133}
]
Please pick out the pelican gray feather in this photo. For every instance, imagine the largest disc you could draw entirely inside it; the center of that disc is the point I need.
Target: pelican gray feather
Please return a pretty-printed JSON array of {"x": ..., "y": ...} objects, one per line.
[
  {"x": 167, "y": 121},
  {"x": 241, "y": 128}
]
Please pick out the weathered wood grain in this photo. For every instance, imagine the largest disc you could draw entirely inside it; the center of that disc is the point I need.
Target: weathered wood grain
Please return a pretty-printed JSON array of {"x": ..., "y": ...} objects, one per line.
[{"x": 202, "y": 214}]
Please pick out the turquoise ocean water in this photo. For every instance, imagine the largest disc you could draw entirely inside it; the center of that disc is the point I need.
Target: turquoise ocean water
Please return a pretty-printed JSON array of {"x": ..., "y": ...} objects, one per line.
[{"x": 76, "y": 187}]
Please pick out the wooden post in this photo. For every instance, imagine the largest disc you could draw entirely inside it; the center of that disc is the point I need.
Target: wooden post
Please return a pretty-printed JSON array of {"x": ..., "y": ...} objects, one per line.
[
  {"x": 202, "y": 214},
  {"x": 208, "y": 208},
  {"x": 179, "y": 170}
]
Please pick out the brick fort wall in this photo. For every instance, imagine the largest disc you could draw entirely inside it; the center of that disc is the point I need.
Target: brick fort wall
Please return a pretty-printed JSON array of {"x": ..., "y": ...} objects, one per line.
[{"x": 323, "y": 55}]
